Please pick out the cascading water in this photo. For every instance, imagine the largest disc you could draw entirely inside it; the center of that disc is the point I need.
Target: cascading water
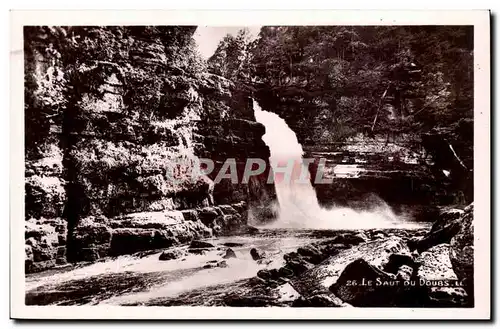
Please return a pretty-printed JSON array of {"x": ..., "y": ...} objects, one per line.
[{"x": 298, "y": 205}]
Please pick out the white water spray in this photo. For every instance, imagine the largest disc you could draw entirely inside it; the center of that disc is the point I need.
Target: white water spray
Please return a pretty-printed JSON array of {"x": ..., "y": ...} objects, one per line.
[{"x": 298, "y": 204}]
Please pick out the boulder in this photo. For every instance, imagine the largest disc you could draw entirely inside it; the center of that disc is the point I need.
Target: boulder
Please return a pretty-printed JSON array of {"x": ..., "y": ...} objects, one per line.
[
  {"x": 442, "y": 231},
  {"x": 311, "y": 254},
  {"x": 200, "y": 244},
  {"x": 208, "y": 215},
  {"x": 227, "y": 210},
  {"x": 233, "y": 244},
  {"x": 231, "y": 224},
  {"x": 171, "y": 254},
  {"x": 164, "y": 239},
  {"x": 396, "y": 261},
  {"x": 128, "y": 241},
  {"x": 222, "y": 263},
  {"x": 197, "y": 251},
  {"x": 437, "y": 278},
  {"x": 271, "y": 274},
  {"x": 256, "y": 255},
  {"x": 376, "y": 253},
  {"x": 362, "y": 284},
  {"x": 190, "y": 215},
  {"x": 330, "y": 249},
  {"x": 298, "y": 266},
  {"x": 462, "y": 251},
  {"x": 229, "y": 254},
  {"x": 349, "y": 239},
  {"x": 286, "y": 272}
]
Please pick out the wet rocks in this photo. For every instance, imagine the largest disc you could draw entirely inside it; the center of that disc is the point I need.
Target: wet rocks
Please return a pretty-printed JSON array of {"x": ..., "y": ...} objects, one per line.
[
  {"x": 362, "y": 284},
  {"x": 197, "y": 251},
  {"x": 208, "y": 215},
  {"x": 190, "y": 215},
  {"x": 298, "y": 266},
  {"x": 437, "y": 277},
  {"x": 256, "y": 254},
  {"x": 214, "y": 264},
  {"x": 171, "y": 254},
  {"x": 200, "y": 244},
  {"x": 349, "y": 239},
  {"x": 229, "y": 254},
  {"x": 442, "y": 231},
  {"x": 311, "y": 254},
  {"x": 233, "y": 244},
  {"x": 462, "y": 251},
  {"x": 222, "y": 263},
  {"x": 271, "y": 274},
  {"x": 397, "y": 260},
  {"x": 97, "y": 237},
  {"x": 376, "y": 253}
]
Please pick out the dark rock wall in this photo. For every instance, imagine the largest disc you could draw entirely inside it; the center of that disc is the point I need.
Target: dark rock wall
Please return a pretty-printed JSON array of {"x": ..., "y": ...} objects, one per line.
[{"x": 119, "y": 131}]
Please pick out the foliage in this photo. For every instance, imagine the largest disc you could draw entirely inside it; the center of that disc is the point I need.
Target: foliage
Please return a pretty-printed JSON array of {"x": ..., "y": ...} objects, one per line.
[
  {"x": 399, "y": 79},
  {"x": 232, "y": 57}
]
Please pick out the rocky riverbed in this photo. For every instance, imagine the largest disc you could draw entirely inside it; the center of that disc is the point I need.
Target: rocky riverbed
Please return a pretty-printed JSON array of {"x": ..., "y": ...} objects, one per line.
[{"x": 426, "y": 266}]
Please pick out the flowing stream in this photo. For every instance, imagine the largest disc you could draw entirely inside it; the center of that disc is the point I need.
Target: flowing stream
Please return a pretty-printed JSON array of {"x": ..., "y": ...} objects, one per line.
[{"x": 145, "y": 280}]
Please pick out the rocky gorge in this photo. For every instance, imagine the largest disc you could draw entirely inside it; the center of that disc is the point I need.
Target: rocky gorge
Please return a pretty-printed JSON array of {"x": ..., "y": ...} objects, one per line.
[{"x": 117, "y": 120}]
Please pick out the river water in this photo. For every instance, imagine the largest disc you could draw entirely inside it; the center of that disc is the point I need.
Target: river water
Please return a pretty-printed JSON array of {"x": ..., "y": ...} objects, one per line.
[{"x": 142, "y": 279}]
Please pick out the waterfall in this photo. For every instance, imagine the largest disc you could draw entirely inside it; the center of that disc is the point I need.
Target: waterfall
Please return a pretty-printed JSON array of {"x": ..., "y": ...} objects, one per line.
[{"x": 298, "y": 204}]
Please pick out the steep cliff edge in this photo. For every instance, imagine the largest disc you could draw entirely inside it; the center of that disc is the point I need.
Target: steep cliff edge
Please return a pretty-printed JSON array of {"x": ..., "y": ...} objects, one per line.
[{"x": 116, "y": 119}]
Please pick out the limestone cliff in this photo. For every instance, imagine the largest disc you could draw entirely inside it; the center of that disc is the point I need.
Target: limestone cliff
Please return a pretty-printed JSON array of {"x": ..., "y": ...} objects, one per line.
[{"x": 116, "y": 119}]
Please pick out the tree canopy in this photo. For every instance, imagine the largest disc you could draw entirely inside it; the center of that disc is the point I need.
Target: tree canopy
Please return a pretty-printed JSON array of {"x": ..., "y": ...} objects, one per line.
[{"x": 370, "y": 79}]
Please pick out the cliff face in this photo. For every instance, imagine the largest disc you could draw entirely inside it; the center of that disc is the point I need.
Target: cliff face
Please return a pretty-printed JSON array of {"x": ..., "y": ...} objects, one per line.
[{"x": 116, "y": 120}]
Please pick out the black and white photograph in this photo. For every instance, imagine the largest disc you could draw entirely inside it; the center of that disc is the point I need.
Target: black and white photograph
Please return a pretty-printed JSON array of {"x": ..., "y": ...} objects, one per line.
[{"x": 260, "y": 166}]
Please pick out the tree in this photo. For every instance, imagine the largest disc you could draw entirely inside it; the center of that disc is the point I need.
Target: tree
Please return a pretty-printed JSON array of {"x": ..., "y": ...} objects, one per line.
[{"x": 231, "y": 59}]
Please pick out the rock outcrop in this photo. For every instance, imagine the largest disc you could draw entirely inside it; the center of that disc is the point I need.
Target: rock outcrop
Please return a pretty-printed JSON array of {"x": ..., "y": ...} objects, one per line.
[
  {"x": 438, "y": 278},
  {"x": 45, "y": 244},
  {"x": 321, "y": 277},
  {"x": 442, "y": 231},
  {"x": 137, "y": 232},
  {"x": 462, "y": 251},
  {"x": 115, "y": 132}
]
